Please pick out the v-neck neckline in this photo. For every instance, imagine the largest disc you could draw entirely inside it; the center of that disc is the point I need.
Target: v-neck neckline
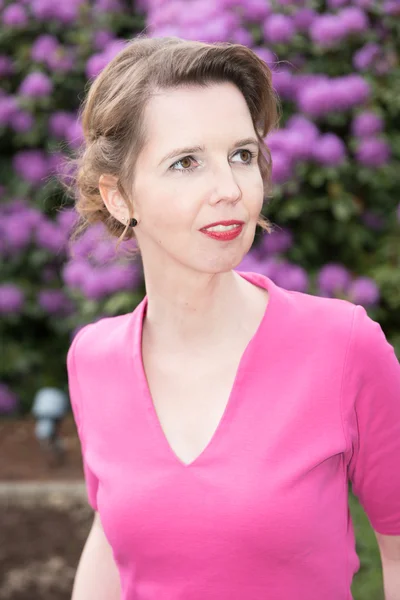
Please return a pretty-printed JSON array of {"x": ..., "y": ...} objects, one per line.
[{"x": 140, "y": 378}]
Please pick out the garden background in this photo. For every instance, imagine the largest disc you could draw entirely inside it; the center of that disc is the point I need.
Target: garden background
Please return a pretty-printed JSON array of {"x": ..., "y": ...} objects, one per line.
[{"x": 335, "y": 207}]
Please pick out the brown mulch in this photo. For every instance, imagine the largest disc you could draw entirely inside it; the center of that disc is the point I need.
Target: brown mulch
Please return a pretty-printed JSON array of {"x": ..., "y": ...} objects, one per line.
[
  {"x": 41, "y": 537},
  {"x": 22, "y": 457}
]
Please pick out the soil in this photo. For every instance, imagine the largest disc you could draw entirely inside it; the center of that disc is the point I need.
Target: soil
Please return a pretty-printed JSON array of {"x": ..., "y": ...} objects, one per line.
[
  {"x": 42, "y": 534},
  {"x": 23, "y": 458}
]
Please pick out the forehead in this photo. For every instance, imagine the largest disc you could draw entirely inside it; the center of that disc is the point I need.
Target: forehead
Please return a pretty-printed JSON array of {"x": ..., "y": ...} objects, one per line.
[{"x": 196, "y": 115}]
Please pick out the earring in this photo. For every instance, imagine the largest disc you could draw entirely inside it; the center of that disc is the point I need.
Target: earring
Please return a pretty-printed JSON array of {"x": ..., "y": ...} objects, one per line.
[{"x": 133, "y": 222}]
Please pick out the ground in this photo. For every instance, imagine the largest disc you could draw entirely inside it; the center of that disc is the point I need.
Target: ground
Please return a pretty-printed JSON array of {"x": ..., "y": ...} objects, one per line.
[
  {"x": 42, "y": 536},
  {"x": 23, "y": 459}
]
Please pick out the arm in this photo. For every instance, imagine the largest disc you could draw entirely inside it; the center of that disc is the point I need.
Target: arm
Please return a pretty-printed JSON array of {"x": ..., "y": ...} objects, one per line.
[
  {"x": 97, "y": 576},
  {"x": 389, "y": 547}
]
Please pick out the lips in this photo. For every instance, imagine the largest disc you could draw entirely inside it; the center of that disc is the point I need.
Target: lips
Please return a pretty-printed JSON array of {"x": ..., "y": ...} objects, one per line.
[
  {"x": 224, "y": 235},
  {"x": 222, "y": 223}
]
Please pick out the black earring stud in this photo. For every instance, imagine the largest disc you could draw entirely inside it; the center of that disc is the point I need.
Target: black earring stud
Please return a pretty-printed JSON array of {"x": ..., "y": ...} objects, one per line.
[{"x": 132, "y": 222}]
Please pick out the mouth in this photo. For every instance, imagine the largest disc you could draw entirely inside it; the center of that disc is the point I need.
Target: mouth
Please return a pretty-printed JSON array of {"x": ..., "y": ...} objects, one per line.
[
  {"x": 224, "y": 230},
  {"x": 222, "y": 225}
]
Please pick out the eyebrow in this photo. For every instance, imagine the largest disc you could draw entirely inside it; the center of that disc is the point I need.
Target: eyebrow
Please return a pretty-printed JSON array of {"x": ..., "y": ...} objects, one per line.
[{"x": 193, "y": 149}]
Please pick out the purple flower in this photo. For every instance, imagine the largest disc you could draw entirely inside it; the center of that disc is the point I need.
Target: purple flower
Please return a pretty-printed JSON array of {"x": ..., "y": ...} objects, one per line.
[
  {"x": 256, "y": 10},
  {"x": 366, "y": 56},
  {"x": 54, "y": 301},
  {"x": 103, "y": 252},
  {"x": 283, "y": 82},
  {"x": 373, "y": 152},
  {"x": 391, "y": 7},
  {"x": 57, "y": 164},
  {"x": 75, "y": 273},
  {"x": 281, "y": 167},
  {"x": 14, "y": 15},
  {"x": 67, "y": 12},
  {"x": 86, "y": 243},
  {"x": 266, "y": 55},
  {"x": 333, "y": 279},
  {"x": 107, "y": 6},
  {"x": 62, "y": 60},
  {"x": 74, "y": 134},
  {"x": 337, "y": 3},
  {"x": 11, "y": 299},
  {"x": 317, "y": 98},
  {"x": 366, "y": 123},
  {"x": 240, "y": 35},
  {"x": 364, "y": 3},
  {"x": 119, "y": 277},
  {"x": 22, "y": 121},
  {"x": 114, "y": 48},
  {"x": 60, "y": 122},
  {"x": 329, "y": 150},
  {"x": 279, "y": 29},
  {"x": 102, "y": 38},
  {"x": 95, "y": 64},
  {"x": 16, "y": 231},
  {"x": 276, "y": 242},
  {"x": 327, "y": 30},
  {"x": 66, "y": 219},
  {"x": 43, "y": 47},
  {"x": 36, "y": 85},
  {"x": 364, "y": 290},
  {"x": 304, "y": 18},
  {"x": 43, "y": 10},
  {"x": 296, "y": 144},
  {"x": 64, "y": 12},
  {"x": 372, "y": 220},
  {"x": 350, "y": 90},
  {"x": 354, "y": 19},
  {"x": 49, "y": 236},
  {"x": 94, "y": 286},
  {"x": 31, "y": 165},
  {"x": 250, "y": 262},
  {"x": 6, "y": 66},
  {"x": 292, "y": 277},
  {"x": 8, "y": 400},
  {"x": 301, "y": 124},
  {"x": 8, "y": 109}
]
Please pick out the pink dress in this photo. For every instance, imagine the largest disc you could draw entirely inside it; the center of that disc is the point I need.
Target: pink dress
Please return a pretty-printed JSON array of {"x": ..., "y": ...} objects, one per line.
[{"x": 263, "y": 511}]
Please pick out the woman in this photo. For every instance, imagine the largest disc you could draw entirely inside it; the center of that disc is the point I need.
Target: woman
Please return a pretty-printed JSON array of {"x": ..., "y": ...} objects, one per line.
[{"x": 222, "y": 419}]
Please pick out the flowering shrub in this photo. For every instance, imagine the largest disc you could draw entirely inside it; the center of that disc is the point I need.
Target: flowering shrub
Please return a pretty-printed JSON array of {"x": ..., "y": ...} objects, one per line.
[{"x": 335, "y": 201}]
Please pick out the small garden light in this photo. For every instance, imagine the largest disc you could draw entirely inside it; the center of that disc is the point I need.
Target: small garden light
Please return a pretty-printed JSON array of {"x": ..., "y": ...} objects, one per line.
[{"x": 50, "y": 405}]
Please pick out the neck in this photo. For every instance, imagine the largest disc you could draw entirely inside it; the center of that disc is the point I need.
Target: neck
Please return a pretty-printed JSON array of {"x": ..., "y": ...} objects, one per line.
[{"x": 196, "y": 308}]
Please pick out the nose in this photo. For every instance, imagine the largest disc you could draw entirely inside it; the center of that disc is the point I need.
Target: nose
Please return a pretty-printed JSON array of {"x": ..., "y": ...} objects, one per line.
[{"x": 225, "y": 187}]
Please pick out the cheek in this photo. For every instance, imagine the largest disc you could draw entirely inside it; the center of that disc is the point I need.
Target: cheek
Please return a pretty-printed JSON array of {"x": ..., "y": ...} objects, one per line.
[
  {"x": 254, "y": 191},
  {"x": 168, "y": 213}
]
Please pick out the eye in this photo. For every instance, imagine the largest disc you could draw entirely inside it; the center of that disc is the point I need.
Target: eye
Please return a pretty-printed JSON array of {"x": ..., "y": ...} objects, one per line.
[
  {"x": 188, "y": 169},
  {"x": 250, "y": 154},
  {"x": 181, "y": 161}
]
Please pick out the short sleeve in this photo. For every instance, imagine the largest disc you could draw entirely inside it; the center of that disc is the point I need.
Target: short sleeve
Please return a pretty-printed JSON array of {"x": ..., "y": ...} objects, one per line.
[
  {"x": 371, "y": 393},
  {"x": 76, "y": 405}
]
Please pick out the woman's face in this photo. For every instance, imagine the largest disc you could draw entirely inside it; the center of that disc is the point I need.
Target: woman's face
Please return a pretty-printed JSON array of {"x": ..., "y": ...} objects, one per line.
[{"x": 196, "y": 169}]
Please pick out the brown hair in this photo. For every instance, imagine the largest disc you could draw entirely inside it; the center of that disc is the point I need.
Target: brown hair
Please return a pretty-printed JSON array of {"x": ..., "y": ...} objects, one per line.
[{"x": 112, "y": 114}]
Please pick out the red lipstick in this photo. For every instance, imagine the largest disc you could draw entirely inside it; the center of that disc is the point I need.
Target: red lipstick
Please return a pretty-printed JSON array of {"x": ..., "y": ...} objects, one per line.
[{"x": 228, "y": 234}]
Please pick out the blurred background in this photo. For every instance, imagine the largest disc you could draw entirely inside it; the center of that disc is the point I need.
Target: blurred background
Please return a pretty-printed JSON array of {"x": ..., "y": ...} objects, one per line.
[{"x": 335, "y": 207}]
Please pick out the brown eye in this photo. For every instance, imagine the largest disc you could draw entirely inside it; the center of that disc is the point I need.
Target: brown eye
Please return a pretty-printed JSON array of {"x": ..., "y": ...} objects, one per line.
[{"x": 188, "y": 163}]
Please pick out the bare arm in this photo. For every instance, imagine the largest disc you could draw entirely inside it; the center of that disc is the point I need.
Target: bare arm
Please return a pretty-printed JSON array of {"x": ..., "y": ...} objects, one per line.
[{"x": 97, "y": 576}]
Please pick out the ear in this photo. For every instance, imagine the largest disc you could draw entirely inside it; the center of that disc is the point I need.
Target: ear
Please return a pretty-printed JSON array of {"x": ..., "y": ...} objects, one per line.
[{"x": 113, "y": 200}]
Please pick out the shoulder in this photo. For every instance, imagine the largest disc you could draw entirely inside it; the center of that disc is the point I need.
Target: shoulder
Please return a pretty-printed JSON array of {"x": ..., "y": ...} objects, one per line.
[
  {"x": 98, "y": 340},
  {"x": 317, "y": 317}
]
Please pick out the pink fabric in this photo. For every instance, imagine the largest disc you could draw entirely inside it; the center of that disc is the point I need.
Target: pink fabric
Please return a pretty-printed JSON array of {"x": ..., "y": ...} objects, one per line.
[{"x": 263, "y": 511}]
